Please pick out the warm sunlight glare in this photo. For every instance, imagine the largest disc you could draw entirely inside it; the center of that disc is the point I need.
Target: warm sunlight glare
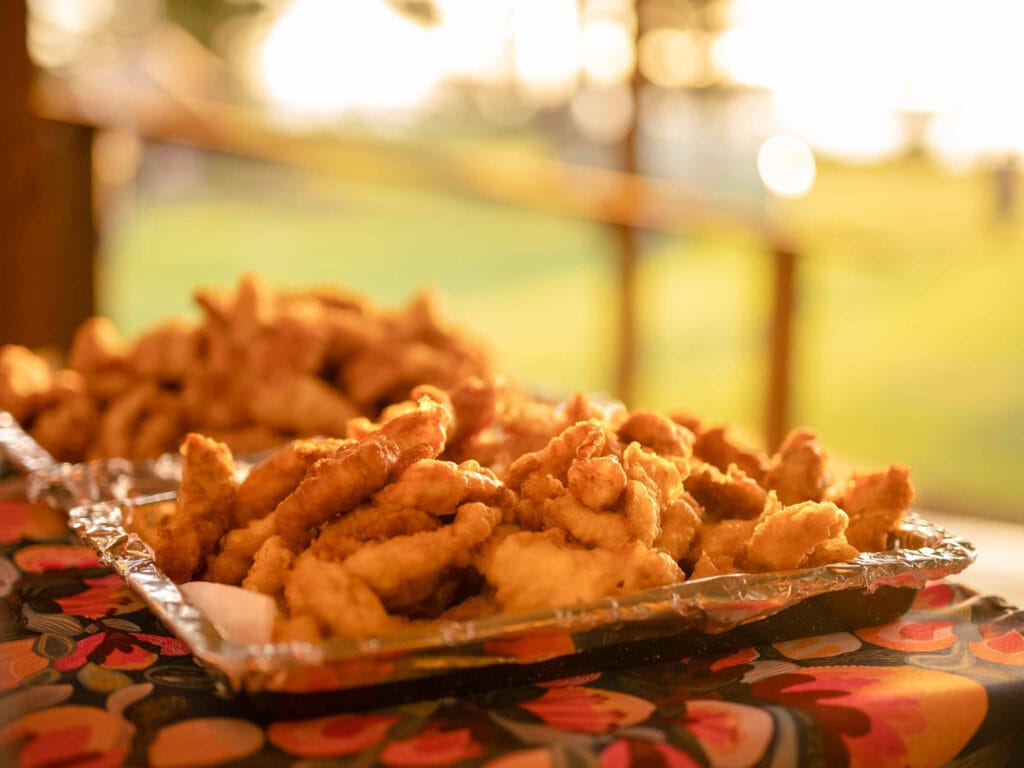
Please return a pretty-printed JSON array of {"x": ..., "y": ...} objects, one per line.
[
  {"x": 322, "y": 58},
  {"x": 545, "y": 35}
]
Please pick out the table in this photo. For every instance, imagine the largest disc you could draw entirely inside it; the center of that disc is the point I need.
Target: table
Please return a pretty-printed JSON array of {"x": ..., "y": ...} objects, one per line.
[{"x": 89, "y": 677}]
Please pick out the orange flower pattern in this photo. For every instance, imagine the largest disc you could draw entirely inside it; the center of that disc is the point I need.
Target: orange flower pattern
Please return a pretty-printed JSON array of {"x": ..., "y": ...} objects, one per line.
[{"x": 90, "y": 677}]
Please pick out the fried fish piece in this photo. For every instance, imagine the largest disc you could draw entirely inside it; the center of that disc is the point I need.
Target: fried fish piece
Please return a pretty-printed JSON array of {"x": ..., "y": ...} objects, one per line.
[
  {"x": 439, "y": 487},
  {"x": 680, "y": 527},
  {"x": 598, "y": 482},
  {"x": 98, "y": 353},
  {"x": 68, "y": 419},
  {"x": 788, "y": 537},
  {"x": 337, "y": 600},
  {"x": 719, "y": 447},
  {"x": 657, "y": 432},
  {"x": 237, "y": 547},
  {"x": 166, "y": 352},
  {"x": 425, "y": 558},
  {"x": 876, "y": 503},
  {"x": 798, "y": 470},
  {"x": 300, "y": 403},
  {"x": 204, "y": 508},
  {"x": 339, "y": 483},
  {"x": 271, "y": 480},
  {"x": 343, "y": 535},
  {"x": 531, "y": 570},
  {"x": 726, "y": 495},
  {"x": 269, "y": 570},
  {"x": 25, "y": 380}
]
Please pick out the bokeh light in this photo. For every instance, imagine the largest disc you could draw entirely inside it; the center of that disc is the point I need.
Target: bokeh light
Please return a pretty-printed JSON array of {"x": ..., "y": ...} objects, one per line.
[
  {"x": 672, "y": 58},
  {"x": 607, "y": 51},
  {"x": 786, "y": 165}
]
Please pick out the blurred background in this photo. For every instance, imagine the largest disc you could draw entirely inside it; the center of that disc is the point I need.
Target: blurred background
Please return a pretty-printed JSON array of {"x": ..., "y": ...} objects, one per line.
[{"x": 767, "y": 213}]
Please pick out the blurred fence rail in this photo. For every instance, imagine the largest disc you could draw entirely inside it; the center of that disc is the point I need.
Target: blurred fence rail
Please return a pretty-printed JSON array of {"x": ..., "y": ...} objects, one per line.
[{"x": 621, "y": 200}]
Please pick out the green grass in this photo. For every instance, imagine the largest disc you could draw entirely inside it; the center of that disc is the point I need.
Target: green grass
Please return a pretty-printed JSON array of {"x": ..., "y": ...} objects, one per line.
[{"x": 910, "y": 326}]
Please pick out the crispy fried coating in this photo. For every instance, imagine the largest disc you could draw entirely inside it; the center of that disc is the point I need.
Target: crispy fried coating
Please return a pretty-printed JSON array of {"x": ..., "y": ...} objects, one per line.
[
  {"x": 597, "y": 482},
  {"x": 798, "y": 471},
  {"x": 337, "y": 600},
  {"x": 338, "y": 483},
  {"x": 723, "y": 543},
  {"x": 657, "y": 432},
  {"x": 875, "y": 503},
  {"x": 587, "y": 526},
  {"x": 204, "y": 508},
  {"x": 270, "y": 481},
  {"x": 261, "y": 367},
  {"x": 720, "y": 448},
  {"x": 166, "y": 352},
  {"x": 160, "y": 427},
  {"x": 439, "y": 487},
  {"x": 269, "y": 570},
  {"x": 680, "y": 527},
  {"x": 724, "y": 496},
  {"x": 98, "y": 353},
  {"x": 299, "y": 403},
  {"x": 68, "y": 419},
  {"x": 786, "y": 537},
  {"x": 334, "y": 485},
  {"x": 369, "y": 522},
  {"x": 425, "y": 557},
  {"x": 582, "y": 440},
  {"x": 25, "y": 379},
  {"x": 531, "y": 570},
  {"x": 238, "y": 546},
  {"x": 121, "y": 420}
]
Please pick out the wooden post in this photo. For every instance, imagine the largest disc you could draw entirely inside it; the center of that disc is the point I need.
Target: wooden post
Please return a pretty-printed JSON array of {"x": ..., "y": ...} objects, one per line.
[
  {"x": 47, "y": 236},
  {"x": 629, "y": 253},
  {"x": 777, "y": 404}
]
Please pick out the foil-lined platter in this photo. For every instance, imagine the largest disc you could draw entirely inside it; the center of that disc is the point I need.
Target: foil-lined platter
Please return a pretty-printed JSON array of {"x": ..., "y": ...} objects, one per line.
[{"x": 449, "y": 657}]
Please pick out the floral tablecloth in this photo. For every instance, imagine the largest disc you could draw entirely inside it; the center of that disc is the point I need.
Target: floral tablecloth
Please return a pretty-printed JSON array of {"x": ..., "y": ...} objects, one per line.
[{"x": 89, "y": 678}]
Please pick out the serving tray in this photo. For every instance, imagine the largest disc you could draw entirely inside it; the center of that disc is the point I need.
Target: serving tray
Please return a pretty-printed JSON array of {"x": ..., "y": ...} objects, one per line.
[{"x": 450, "y": 657}]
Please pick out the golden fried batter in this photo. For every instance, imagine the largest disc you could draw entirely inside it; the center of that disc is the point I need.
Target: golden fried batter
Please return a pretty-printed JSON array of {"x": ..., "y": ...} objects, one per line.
[
  {"x": 98, "y": 353},
  {"x": 718, "y": 447},
  {"x": 725, "y": 496},
  {"x": 270, "y": 481},
  {"x": 25, "y": 379},
  {"x": 338, "y": 483},
  {"x": 369, "y": 522},
  {"x": 334, "y": 485},
  {"x": 69, "y": 418},
  {"x": 538, "y": 570},
  {"x": 237, "y": 549},
  {"x": 798, "y": 471},
  {"x": 166, "y": 352},
  {"x": 424, "y": 557},
  {"x": 785, "y": 537},
  {"x": 270, "y": 566},
  {"x": 680, "y": 527},
  {"x": 597, "y": 482},
  {"x": 204, "y": 508},
  {"x": 657, "y": 432},
  {"x": 585, "y": 525},
  {"x": 337, "y": 600},
  {"x": 299, "y": 403},
  {"x": 440, "y": 486},
  {"x": 876, "y": 503}
]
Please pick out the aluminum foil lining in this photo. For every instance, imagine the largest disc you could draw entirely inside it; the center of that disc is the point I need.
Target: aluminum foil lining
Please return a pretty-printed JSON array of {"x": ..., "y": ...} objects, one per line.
[{"x": 100, "y": 498}]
